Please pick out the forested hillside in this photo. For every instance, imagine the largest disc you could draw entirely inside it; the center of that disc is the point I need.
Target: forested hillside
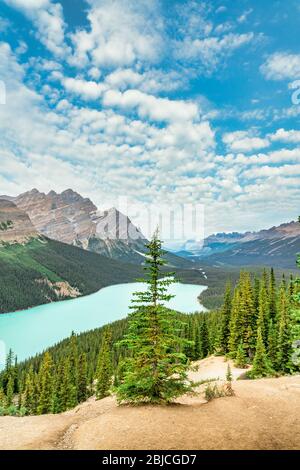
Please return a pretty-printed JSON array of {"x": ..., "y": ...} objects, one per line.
[{"x": 45, "y": 270}]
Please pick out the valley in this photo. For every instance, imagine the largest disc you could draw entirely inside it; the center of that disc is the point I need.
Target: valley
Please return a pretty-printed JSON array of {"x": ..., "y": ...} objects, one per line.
[{"x": 31, "y": 273}]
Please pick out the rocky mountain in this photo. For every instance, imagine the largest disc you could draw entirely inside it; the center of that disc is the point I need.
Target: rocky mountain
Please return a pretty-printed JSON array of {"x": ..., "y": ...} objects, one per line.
[
  {"x": 15, "y": 225},
  {"x": 277, "y": 246},
  {"x": 66, "y": 217},
  {"x": 72, "y": 219}
]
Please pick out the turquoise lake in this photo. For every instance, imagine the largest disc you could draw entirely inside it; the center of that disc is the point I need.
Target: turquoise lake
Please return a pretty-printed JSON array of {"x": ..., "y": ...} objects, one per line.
[{"x": 31, "y": 331}]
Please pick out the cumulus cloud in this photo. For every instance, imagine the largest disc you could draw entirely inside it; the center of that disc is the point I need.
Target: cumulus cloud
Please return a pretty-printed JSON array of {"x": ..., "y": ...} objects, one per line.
[
  {"x": 281, "y": 66},
  {"x": 271, "y": 171},
  {"x": 48, "y": 20},
  {"x": 125, "y": 135},
  {"x": 148, "y": 106},
  {"x": 101, "y": 153},
  {"x": 121, "y": 33},
  {"x": 291, "y": 136},
  {"x": 242, "y": 141},
  {"x": 88, "y": 90},
  {"x": 150, "y": 81}
]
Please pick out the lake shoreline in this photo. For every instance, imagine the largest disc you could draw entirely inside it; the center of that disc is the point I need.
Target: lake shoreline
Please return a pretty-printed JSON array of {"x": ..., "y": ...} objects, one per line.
[{"x": 29, "y": 332}]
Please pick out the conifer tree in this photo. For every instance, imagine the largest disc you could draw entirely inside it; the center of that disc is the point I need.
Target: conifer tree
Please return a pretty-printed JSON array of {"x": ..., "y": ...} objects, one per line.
[
  {"x": 29, "y": 399},
  {"x": 104, "y": 367},
  {"x": 248, "y": 315},
  {"x": 228, "y": 387},
  {"x": 272, "y": 342},
  {"x": 225, "y": 322},
  {"x": 82, "y": 378},
  {"x": 73, "y": 358},
  {"x": 228, "y": 373},
  {"x": 284, "y": 345},
  {"x": 59, "y": 396},
  {"x": 2, "y": 398},
  {"x": 45, "y": 385},
  {"x": 272, "y": 296},
  {"x": 189, "y": 349},
  {"x": 68, "y": 394},
  {"x": 240, "y": 360},
  {"x": 291, "y": 287},
  {"x": 263, "y": 312},
  {"x": 9, "y": 364},
  {"x": 256, "y": 292},
  {"x": 204, "y": 339},
  {"x": 10, "y": 390},
  {"x": 261, "y": 364},
  {"x": 295, "y": 306},
  {"x": 234, "y": 324},
  {"x": 155, "y": 368},
  {"x": 197, "y": 348},
  {"x": 36, "y": 393}
]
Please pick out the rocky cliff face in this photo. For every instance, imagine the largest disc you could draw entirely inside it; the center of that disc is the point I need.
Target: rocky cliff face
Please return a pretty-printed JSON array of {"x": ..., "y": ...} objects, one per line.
[
  {"x": 66, "y": 217},
  {"x": 72, "y": 219},
  {"x": 15, "y": 225}
]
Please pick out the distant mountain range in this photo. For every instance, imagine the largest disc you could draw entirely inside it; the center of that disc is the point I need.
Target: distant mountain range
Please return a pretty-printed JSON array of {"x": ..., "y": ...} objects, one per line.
[
  {"x": 58, "y": 246},
  {"x": 277, "y": 246},
  {"x": 72, "y": 219}
]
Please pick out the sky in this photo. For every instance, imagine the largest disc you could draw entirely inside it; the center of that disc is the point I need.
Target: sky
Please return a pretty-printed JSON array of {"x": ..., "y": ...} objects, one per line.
[{"x": 159, "y": 101}]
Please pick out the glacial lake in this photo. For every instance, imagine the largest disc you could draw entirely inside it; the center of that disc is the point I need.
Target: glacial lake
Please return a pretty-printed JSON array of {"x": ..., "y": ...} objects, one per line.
[{"x": 29, "y": 332}]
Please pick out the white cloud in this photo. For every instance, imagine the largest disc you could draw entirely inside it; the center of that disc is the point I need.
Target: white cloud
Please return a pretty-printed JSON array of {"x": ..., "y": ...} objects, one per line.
[
  {"x": 122, "y": 78},
  {"x": 271, "y": 171},
  {"x": 221, "y": 9},
  {"x": 48, "y": 20},
  {"x": 88, "y": 90},
  {"x": 28, "y": 4},
  {"x": 242, "y": 141},
  {"x": 291, "y": 136},
  {"x": 138, "y": 144},
  {"x": 150, "y": 107},
  {"x": 94, "y": 73},
  {"x": 282, "y": 66},
  {"x": 151, "y": 81},
  {"x": 243, "y": 18},
  {"x": 121, "y": 33},
  {"x": 210, "y": 50}
]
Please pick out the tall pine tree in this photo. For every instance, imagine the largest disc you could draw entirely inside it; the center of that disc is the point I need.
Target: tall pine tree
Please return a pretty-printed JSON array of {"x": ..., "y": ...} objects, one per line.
[
  {"x": 104, "y": 367},
  {"x": 225, "y": 322},
  {"x": 156, "y": 367},
  {"x": 46, "y": 385}
]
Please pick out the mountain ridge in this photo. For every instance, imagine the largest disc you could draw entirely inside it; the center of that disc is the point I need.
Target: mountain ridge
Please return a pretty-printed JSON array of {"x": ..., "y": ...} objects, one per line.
[
  {"x": 70, "y": 218},
  {"x": 276, "y": 246}
]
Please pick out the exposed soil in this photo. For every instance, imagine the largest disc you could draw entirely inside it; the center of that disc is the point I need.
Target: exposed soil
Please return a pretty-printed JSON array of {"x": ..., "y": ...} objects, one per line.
[{"x": 263, "y": 414}]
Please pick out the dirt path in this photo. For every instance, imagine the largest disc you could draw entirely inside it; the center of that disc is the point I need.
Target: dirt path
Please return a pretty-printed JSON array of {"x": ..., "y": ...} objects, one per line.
[{"x": 264, "y": 414}]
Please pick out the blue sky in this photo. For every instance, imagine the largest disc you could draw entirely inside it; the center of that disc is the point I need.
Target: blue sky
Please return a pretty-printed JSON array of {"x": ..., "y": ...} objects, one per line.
[{"x": 161, "y": 101}]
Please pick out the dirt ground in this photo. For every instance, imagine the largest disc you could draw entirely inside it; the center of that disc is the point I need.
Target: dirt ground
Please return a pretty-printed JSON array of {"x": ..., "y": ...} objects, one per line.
[{"x": 263, "y": 414}]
